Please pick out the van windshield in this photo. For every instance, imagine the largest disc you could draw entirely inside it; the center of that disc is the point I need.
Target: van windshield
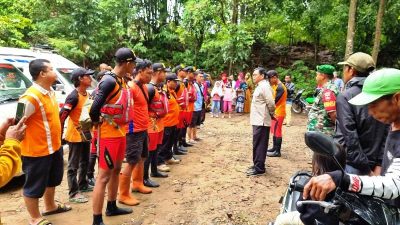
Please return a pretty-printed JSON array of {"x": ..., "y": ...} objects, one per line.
[
  {"x": 66, "y": 73},
  {"x": 13, "y": 83}
]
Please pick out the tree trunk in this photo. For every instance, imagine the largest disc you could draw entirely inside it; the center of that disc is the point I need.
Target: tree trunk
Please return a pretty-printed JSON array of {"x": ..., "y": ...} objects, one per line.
[
  {"x": 378, "y": 30},
  {"x": 235, "y": 9},
  {"x": 350, "y": 29}
]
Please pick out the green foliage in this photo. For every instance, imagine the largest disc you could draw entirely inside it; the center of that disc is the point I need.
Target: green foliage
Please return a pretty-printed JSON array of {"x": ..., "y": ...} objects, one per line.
[
  {"x": 216, "y": 35},
  {"x": 302, "y": 77}
]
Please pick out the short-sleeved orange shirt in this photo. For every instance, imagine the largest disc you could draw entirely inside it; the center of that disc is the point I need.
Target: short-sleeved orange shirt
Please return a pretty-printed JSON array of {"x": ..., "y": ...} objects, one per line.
[
  {"x": 172, "y": 118},
  {"x": 140, "y": 107}
]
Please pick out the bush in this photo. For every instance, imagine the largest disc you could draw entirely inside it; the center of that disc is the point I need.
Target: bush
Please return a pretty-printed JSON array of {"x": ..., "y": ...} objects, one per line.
[{"x": 302, "y": 77}]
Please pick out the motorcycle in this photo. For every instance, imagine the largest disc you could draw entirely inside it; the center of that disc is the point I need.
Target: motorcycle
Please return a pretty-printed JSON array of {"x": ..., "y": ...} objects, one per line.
[
  {"x": 350, "y": 208},
  {"x": 299, "y": 104}
]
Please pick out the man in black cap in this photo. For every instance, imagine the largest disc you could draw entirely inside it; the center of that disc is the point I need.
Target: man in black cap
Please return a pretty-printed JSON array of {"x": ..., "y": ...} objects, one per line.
[
  {"x": 171, "y": 120},
  {"x": 158, "y": 108},
  {"x": 182, "y": 99},
  {"x": 77, "y": 134},
  {"x": 111, "y": 137}
]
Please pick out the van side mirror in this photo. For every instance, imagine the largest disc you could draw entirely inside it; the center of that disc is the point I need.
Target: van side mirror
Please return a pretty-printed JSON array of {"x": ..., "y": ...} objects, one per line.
[{"x": 60, "y": 87}]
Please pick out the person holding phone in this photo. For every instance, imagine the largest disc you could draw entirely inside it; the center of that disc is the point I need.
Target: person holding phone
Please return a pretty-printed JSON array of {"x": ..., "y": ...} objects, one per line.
[
  {"x": 41, "y": 150},
  {"x": 10, "y": 148}
]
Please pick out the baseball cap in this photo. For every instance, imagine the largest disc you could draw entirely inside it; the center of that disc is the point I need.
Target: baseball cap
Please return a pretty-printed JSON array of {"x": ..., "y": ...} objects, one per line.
[
  {"x": 178, "y": 68},
  {"x": 272, "y": 73},
  {"x": 171, "y": 76},
  {"x": 378, "y": 84},
  {"x": 125, "y": 55},
  {"x": 159, "y": 67},
  {"x": 189, "y": 69},
  {"x": 360, "y": 61},
  {"x": 326, "y": 69},
  {"x": 79, "y": 72}
]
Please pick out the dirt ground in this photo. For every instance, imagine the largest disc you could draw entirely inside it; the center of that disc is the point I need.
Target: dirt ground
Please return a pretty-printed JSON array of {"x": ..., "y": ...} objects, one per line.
[{"x": 209, "y": 187}]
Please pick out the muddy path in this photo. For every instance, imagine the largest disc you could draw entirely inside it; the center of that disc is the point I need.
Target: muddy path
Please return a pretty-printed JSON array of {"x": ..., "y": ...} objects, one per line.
[{"x": 209, "y": 186}]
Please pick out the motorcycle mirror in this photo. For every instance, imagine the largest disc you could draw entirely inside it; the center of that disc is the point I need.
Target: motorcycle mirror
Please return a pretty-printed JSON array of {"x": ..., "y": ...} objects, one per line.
[{"x": 322, "y": 144}]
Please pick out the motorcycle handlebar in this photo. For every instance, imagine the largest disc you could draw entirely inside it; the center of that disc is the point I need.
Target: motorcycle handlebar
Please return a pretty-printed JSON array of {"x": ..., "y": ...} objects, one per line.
[{"x": 326, "y": 205}]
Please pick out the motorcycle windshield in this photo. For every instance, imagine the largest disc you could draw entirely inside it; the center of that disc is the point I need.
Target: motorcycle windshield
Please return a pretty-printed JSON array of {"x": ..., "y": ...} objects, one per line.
[{"x": 365, "y": 209}]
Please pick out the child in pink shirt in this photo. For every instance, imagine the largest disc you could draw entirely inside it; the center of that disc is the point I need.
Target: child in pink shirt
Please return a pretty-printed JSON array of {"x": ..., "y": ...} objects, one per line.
[{"x": 228, "y": 95}]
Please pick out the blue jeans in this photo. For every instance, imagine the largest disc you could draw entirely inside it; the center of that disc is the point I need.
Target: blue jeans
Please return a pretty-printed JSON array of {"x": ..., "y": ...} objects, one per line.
[{"x": 215, "y": 107}]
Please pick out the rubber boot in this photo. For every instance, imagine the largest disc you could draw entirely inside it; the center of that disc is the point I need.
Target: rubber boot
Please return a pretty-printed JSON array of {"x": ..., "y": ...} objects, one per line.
[
  {"x": 137, "y": 179},
  {"x": 124, "y": 195},
  {"x": 273, "y": 146},
  {"x": 113, "y": 210},
  {"x": 277, "y": 152}
]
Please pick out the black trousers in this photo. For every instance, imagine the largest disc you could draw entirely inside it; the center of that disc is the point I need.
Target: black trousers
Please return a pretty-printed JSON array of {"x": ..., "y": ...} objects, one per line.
[
  {"x": 260, "y": 146},
  {"x": 166, "y": 147},
  {"x": 151, "y": 160},
  {"x": 78, "y": 160}
]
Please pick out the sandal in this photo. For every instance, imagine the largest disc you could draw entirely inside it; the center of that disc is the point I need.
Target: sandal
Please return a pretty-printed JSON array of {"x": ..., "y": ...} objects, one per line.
[
  {"x": 61, "y": 208},
  {"x": 78, "y": 198},
  {"x": 43, "y": 222}
]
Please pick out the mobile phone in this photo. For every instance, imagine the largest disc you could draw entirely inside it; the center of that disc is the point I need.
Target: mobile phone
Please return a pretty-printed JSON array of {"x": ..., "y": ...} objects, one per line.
[{"x": 20, "y": 112}]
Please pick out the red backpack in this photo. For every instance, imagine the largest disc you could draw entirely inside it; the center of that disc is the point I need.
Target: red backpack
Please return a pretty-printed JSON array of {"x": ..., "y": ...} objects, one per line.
[
  {"x": 157, "y": 106},
  {"x": 121, "y": 111}
]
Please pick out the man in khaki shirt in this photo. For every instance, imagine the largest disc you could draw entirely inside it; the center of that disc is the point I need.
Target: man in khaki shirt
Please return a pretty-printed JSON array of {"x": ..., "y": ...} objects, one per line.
[{"x": 261, "y": 113}]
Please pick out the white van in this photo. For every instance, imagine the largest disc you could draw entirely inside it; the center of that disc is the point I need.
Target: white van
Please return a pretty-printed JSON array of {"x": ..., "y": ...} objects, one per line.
[
  {"x": 13, "y": 83},
  {"x": 62, "y": 66}
]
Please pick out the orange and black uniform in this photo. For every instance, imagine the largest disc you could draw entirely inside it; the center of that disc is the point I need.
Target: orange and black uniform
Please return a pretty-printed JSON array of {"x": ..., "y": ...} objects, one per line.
[
  {"x": 280, "y": 96},
  {"x": 79, "y": 146},
  {"x": 137, "y": 136},
  {"x": 42, "y": 155},
  {"x": 171, "y": 121},
  {"x": 112, "y": 142}
]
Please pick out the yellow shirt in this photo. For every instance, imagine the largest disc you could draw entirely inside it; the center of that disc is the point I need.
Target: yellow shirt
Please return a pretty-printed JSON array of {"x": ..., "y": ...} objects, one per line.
[{"x": 10, "y": 160}]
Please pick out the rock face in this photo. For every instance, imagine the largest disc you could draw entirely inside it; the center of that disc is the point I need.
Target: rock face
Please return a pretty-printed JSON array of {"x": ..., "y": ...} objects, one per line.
[{"x": 284, "y": 56}]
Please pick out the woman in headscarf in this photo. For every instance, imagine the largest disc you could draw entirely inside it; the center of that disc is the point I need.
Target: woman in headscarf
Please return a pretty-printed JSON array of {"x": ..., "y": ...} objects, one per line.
[{"x": 247, "y": 99}]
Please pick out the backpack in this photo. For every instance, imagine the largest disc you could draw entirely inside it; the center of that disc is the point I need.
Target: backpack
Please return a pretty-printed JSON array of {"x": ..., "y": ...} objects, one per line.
[
  {"x": 121, "y": 111},
  {"x": 157, "y": 106},
  {"x": 192, "y": 94}
]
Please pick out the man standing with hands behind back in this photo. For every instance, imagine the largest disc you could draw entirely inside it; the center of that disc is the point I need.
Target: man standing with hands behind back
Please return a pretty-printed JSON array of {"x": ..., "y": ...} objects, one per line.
[{"x": 262, "y": 110}]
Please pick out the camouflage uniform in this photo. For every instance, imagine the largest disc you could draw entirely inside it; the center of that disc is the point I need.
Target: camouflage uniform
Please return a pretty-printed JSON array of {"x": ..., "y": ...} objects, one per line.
[{"x": 318, "y": 118}]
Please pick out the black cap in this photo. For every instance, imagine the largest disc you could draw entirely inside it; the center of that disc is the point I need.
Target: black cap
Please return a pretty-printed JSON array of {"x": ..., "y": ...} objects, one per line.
[
  {"x": 272, "y": 73},
  {"x": 125, "y": 55},
  {"x": 171, "y": 76},
  {"x": 158, "y": 67},
  {"x": 79, "y": 72},
  {"x": 178, "y": 68},
  {"x": 188, "y": 69}
]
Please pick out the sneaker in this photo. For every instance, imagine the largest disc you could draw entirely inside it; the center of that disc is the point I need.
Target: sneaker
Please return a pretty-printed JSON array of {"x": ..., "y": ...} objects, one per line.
[
  {"x": 92, "y": 181},
  {"x": 172, "y": 161},
  {"x": 191, "y": 141},
  {"x": 89, "y": 188},
  {"x": 79, "y": 198},
  {"x": 212, "y": 115},
  {"x": 163, "y": 168},
  {"x": 216, "y": 116},
  {"x": 230, "y": 116}
]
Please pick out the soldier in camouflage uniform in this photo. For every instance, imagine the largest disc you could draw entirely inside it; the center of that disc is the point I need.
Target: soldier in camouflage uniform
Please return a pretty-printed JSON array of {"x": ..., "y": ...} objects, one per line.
[{"x": 322, "y": 114}]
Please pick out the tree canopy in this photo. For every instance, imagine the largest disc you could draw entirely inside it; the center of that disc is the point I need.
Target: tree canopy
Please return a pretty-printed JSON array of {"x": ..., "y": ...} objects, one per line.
[{"x": 217, "y": 35}]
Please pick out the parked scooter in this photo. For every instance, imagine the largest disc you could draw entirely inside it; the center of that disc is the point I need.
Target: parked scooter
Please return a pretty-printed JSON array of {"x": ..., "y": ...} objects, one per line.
[
  {"x": 299, "y": 104},
  {"x": 349, "y": 208}
]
